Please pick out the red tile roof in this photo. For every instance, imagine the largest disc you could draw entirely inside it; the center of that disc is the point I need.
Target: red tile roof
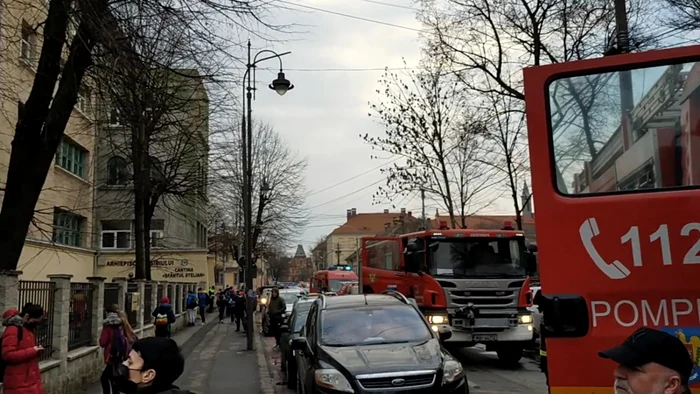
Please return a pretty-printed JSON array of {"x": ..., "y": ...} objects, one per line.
[{"x": 369, "y": 223}]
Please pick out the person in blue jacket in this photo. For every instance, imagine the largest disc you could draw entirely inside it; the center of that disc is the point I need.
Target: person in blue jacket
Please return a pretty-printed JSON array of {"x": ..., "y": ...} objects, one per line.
[{"x": 203, "y": 303}]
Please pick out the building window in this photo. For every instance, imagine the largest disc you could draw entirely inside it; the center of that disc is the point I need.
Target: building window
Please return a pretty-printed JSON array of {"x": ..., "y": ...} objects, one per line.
[
  {"x": 84, "y": 99},
  {"x": 115, "y": 118},
  {"x": 156, "y": 238},
  {"x": 116, "y": 234},
  {"x": 27, "y": 44},
  {"x": 67, "y": 228},
  {"x": 71, "y": 157},
  {"x": 117, "y": 171}
]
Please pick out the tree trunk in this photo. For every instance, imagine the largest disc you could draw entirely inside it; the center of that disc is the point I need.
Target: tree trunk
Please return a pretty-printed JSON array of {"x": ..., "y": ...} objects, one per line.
[
  {"x": 149, "y": 211},
  {"x": 137, "y": 148},
  {"x": 40, "y": 130}
]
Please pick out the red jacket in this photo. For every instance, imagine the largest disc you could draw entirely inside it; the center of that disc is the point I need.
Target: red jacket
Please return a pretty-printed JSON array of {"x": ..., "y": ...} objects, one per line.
[
  {"x": 112, "y": 326},
  {"x": 22, "y": 373}
]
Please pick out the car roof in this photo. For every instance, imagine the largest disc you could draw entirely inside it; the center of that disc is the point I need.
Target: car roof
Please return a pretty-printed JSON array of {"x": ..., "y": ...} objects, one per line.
[
  {"x": 296, "y": 290},
  {"x": 355, "y": 300}
]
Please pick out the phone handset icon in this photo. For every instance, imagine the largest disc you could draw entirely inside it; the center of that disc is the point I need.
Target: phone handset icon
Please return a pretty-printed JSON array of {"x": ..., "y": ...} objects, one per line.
[{"x": 587, "y": 231}]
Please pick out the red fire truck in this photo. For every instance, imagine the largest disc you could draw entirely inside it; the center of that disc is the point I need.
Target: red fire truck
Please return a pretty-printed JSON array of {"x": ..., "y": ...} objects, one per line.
[
  {"x": 615, "y": 159},
  {"x": 476, "y": 281}
]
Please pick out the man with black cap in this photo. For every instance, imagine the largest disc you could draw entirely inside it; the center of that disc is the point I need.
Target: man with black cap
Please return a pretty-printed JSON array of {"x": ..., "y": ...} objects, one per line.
[
  {"x": 154, "y": 364},
  {"x": 651, "y": 362}
]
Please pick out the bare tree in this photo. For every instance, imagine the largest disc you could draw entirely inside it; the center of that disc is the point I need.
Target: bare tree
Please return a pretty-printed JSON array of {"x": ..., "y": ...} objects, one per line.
[
  {"x": 427, "y": 122},
  {"x": 506, "y": 134},
  {"x": 161, "y": 113},
  {"x": 684, "y": 15},
  {"x": 75, "y": 30},
  {"x": 278, "y": 184}
]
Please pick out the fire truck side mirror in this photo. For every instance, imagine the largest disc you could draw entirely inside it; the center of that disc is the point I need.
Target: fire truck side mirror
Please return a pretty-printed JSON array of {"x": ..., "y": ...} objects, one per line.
[{"x": 565, "y": 316}]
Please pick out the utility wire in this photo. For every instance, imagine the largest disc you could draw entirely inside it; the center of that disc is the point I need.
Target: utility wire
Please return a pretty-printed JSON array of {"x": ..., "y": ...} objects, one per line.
[
  {"x": 405, "y": 7},
  {"x": 355, "y": 177},
  {"x": 359, "y": 18},
  {"x": 349, "y": 194}
]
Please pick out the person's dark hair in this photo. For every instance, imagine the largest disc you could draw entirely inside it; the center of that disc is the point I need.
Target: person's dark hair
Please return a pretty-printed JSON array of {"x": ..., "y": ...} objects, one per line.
[
  {"x": 33, "y": 311},
  {"x": 112, "y": 308},
  {"x": 163, "y": 356},
  {"x": 190, "y": 292},
  {"x": 200, "y": 289},
  {"x": 685, "y": 389}
]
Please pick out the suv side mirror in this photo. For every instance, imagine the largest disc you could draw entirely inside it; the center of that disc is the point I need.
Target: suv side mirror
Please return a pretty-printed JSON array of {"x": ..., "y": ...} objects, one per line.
[
  {"x": 444, "y": 333},
  {"x": 299, "y": 343}
]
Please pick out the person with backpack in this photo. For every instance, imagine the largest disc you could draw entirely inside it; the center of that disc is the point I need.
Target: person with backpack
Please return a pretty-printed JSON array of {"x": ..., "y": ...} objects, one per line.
[
  {"x": 116, "y": 344},
  {"x": 20, "y": 353},
  {"x": 191, "y": 303},
  {"x": 164, "y": 317}
]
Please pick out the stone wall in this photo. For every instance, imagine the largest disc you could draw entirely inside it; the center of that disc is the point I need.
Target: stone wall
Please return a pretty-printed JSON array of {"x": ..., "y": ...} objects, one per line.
[{"x": 67, "y": 372}]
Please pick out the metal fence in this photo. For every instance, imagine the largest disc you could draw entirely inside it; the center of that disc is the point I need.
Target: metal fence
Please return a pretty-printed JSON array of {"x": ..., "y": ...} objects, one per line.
[
  {"x": 40, "y": 293},
  {"x": 147, "y": 302},
  {"x": 111, "y": 296},
  {"x": 131, "y": 288},
  {"x": 161, "y": 291},
  {"x": 80, "y": 315}
]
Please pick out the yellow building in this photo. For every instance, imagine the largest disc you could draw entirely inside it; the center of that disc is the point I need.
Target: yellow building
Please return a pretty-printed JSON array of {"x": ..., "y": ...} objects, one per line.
[
  {"x": 60, "y": 239},
  {"x": 81, "y": 227}
]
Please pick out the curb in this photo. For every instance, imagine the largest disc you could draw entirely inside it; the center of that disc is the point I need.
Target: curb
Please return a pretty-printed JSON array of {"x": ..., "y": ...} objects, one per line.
[{"x": 265, "y": 377}]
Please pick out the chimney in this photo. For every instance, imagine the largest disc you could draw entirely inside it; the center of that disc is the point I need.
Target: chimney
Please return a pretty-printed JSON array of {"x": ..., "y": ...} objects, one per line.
[
  {"x": 410, "y": 213},
  {"x": 348, "y": 213},
  {"x": 386, "y": 211},
  {"x": 354, "y": 211},
  {"x": 437, "y": 212},
  {"x": 403, "y": 211}
]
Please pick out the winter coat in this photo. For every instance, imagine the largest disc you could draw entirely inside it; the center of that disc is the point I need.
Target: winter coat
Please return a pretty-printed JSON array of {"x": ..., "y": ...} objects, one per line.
[
  {"x": 164, "y": 390},
  {"x": 165, "y": 309},
  {"x": 276, "y": 307},
  {"x": 191, "y": 302},
  {"x": 22, "y": 373},
  {"x": 239, "y": 305},
  {"x": 203, "y": 299},
  {"x": 111, "y": 326}
]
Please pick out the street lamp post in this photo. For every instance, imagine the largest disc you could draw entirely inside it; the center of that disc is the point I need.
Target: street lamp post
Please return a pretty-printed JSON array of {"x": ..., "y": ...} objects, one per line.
[{"x": 281, "y": 85}]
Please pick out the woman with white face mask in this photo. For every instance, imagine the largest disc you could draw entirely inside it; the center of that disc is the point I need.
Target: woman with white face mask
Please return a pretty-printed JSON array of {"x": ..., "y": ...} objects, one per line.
[{"x": 651, "y": 362}]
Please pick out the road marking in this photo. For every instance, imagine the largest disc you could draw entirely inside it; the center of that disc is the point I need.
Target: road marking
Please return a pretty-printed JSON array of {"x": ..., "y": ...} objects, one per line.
[{"x": 472, "y": 385}]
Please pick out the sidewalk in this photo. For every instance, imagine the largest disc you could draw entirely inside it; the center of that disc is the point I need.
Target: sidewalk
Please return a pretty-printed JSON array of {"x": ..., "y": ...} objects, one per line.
[
  {"x": 272, "y": 366},
  {"x": 188, "y": 339}
]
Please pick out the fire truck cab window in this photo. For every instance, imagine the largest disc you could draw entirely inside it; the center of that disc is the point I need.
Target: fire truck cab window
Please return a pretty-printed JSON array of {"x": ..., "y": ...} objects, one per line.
[
  {"x": 477, "y": 257},
  {"x": 598, "y": 150}
]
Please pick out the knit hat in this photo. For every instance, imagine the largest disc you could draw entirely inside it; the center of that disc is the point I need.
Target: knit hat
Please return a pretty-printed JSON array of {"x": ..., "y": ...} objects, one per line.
[
  {"x": 10, "y": 313},
  {"x": 165, "y": 300}
]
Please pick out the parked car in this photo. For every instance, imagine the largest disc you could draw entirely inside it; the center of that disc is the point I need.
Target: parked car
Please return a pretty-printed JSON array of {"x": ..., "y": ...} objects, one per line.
[
  {"x": 373, "y": 342},
  {"x": 289, "y": 332},
  {"x": 290, "y": 296}
]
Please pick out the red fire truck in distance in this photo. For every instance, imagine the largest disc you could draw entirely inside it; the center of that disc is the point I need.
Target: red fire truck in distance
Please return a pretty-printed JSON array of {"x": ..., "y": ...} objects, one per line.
[{"x": 474, "y": 280}]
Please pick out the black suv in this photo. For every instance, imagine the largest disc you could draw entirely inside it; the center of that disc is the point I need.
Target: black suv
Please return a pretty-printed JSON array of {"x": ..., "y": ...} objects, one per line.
[{"x": 370, "y": 343}]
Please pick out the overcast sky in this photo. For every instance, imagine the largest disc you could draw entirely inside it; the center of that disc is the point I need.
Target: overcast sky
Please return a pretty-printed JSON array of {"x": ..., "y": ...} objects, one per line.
[{"x": 323, "y": 115}]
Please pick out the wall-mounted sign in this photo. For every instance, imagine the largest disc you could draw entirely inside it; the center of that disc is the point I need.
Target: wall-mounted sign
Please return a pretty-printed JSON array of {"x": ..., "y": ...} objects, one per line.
[
  {"x": 183, "y": 273},
  {"x": 131, "y": 263},
  {"x": 135, "y": 301}
]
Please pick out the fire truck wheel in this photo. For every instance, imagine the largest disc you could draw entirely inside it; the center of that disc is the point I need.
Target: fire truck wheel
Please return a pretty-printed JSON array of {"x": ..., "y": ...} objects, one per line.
[{"x": 510, "y": 355}]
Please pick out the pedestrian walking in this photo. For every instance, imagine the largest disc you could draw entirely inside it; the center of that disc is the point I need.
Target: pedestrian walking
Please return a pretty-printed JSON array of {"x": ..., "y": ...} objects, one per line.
[
  {"x": 191, "y": 303},
  {"x": 651, "y": 362},
  {"x": 153, "y": 366},
  {"x": 212, "y": 294},
  {"x": 21, "y": 353},
  {"x": 203, "y": 302},
  {"x": 221, "y": 304},
  {"x": 276, "y": 308},
  {"x": 163, "y": 316},
  {"x": 116, "y": 342},
  {"x": 239, "y": 310}
]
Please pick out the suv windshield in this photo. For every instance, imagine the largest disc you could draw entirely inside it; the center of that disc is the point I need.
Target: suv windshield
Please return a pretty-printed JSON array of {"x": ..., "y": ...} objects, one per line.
[
  {"x": 477, "y": 257},
  {"x": 372, "y": 325},
  {"x": 290, "y": 297}
]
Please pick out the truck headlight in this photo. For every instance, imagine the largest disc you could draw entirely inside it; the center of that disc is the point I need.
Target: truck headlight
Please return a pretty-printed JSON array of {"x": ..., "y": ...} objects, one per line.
[
  {"x": 451, "y": 371},
  {"x": 437, "y": 319},
  {"x": 525, "y": 319},
  {"x": 332, "y": 379}
]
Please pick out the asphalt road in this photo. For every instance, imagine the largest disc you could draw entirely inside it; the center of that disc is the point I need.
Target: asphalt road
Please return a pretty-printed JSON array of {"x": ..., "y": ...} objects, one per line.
[{"x": 487, "y": 376}]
